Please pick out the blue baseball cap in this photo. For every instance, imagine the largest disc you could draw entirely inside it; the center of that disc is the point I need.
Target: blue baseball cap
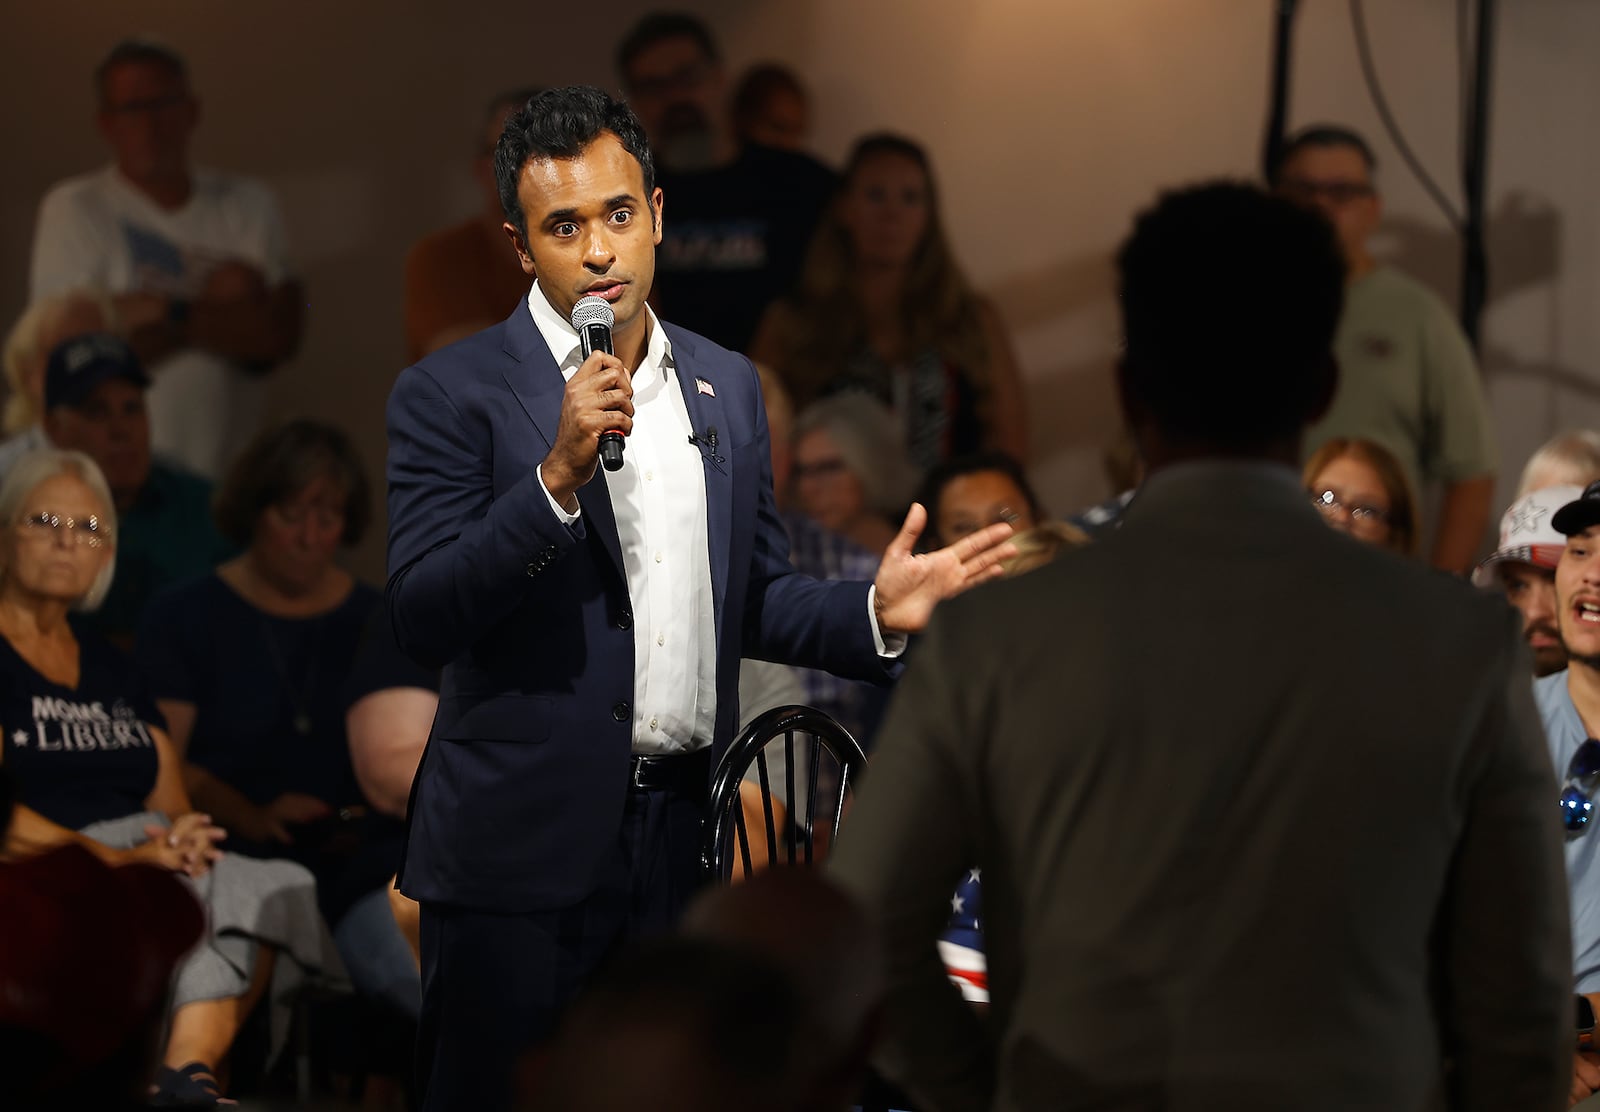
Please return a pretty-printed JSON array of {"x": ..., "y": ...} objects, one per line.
[{"x": 78, "y": 365}]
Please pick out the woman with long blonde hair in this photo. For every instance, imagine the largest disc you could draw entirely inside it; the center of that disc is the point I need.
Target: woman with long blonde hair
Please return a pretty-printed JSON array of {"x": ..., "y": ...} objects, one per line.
[{"x": 882, "y": 307}]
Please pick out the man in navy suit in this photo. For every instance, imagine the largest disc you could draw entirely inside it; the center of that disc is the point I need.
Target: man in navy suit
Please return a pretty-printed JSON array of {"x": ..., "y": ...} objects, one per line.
[{"x": 589, "y": 623}]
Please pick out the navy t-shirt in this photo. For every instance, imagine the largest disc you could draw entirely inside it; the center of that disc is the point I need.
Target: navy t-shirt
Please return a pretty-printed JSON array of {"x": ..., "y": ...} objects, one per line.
[
  {"x": 269, "y": 717},
  {"x": 79, "y": 755},
  {"x": 734, "y": 239}
]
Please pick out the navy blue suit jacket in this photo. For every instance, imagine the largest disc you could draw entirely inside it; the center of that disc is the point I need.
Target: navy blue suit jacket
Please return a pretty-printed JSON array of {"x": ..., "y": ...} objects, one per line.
[{"x": 521, "y": 788}]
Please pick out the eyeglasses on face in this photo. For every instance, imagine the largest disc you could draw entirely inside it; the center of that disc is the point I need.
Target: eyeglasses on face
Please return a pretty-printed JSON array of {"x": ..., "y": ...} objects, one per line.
[
  {"x": 46, "y": 525},
  {"x": 1339, "y": 192},
  {"x": 1331, "y": 504},
  {"x": 1577, "y": 794}
]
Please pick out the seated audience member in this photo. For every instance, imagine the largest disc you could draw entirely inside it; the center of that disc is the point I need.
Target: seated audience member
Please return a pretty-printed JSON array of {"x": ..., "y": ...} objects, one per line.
[
  {"x": 41, "y": 328},
  {"x": 248, "y": 664},
  {"x": 969, "y": 493},
  {"x": 819, "y": 938},
  {"x": 851, "y": 484},
  {"x": 771, "y": 108},
  {"x": 1407, "y": 375},
  {"x": 1568, "y": 459},
  {"x": 195, "y": 258},
  {"x": 1523, "y": 566},
  {"x": 95, "y": 403},
  {"x": 741, "y": 216},
  {"x": 1361, "y": 489},
  {"x": 82, "y": 1008},
  {"x": 390, "y": 701},
  {"x": 883, "y": 308},
  {"x": 1569, "y": 704},
  {"x": 850, "y": 472},
  {"x": 677, "y": 1025},
  {"x": 93, "y": 766},
  {"x": 466, "y": 277}
]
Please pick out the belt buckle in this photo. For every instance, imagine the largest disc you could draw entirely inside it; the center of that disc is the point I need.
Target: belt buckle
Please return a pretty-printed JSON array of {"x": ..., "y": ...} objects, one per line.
[{"x": 636, "y": 771}]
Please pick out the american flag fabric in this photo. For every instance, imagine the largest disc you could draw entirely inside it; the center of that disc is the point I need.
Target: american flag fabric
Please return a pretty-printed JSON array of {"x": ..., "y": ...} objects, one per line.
[{"x": 961, "y": 945}]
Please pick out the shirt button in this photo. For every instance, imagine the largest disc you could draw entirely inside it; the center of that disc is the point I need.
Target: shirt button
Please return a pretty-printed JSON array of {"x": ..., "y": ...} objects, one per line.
[
  {"x": 620, "y": 712},
  {"x": 649, "y": 476},
  {"x": 654, "y": 722},
  {"x": 661, "y": 638},
  {"x": 658, "y": 557}
]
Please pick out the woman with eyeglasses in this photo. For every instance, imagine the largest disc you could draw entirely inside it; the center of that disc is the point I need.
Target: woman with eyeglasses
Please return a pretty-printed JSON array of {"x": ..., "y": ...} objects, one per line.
[
  {"x": 89, "y": 755},
  {"x": 249, "y": 665},
  {"x": 1360, "y": 487}
]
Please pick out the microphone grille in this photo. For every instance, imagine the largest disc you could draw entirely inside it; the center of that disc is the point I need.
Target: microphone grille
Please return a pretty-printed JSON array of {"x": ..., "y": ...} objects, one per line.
[{"x": 593, "y": 310}]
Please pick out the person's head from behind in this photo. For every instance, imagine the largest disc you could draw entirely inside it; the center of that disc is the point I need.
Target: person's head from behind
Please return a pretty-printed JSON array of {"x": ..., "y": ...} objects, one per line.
[
  {"x": 1567, "y": 459},
  {"x": 147, "y": 112},
  {"x": 1361, "y": 488},
  {"x": 1229, "y": 301},
  {"x": 95, "y": 403},
  {"x": 817, "y": 934},
  {"x": 850, "y": 464},
  {"x": 1331, "y": 168},
  {"x": 293, "y": 498},
  {"x": 58, "y": 528},
  {"x": 1523, "y": 565},
  {"x": 969, "y": 493},
  {"x": 770, "y": 108},
  {"x": 82, "y": 1007},
  {"x": 672, "y": 75},
  {"x": 495, "y": 114},
  {"x": 43, "y": 326},
  {"x": 577, "y": 182},
  {"x": 696, "y": 1026}
]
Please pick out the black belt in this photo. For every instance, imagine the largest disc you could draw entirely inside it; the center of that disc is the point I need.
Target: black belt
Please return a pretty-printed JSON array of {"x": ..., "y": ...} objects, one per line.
[{"x": 688, "y": 773}]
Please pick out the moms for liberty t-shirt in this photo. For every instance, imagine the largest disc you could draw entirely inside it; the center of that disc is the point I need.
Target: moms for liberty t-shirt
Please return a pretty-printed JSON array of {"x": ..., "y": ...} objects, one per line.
[{"x": 84, "y": 754}]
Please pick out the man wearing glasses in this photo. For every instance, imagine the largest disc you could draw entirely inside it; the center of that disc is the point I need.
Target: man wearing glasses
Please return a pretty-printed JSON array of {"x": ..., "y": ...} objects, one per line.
[
  {"x": 195, "y": 259},
  {"x": 1569, "y": 703},
  {"x": 1407, "y": 377}
]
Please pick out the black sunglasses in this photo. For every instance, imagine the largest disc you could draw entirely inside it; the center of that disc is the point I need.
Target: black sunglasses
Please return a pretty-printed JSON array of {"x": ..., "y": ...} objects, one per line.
[{"x": 1577, "y": 794}]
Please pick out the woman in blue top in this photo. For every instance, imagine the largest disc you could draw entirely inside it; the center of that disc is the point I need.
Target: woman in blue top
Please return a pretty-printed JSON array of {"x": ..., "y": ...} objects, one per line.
[
  {"x": 91, "y": 763},
  {"x": 248, "y": 665}
]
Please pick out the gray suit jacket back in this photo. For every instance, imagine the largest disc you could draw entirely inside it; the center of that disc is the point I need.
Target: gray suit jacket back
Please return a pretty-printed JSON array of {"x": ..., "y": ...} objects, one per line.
[{"x": 1264, "y": 816}]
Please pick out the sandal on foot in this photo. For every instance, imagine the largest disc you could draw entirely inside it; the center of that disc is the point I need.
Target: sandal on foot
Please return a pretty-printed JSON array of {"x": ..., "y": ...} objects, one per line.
[{"x": 193, "y": 1086}]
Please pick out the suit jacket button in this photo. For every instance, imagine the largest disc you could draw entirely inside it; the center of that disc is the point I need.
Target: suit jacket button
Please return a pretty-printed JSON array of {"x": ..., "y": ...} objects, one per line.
[
  {"x": 532, "y": 569},
  {"x": 625, "y": 619},
  {"x": 620, "y": 712}
]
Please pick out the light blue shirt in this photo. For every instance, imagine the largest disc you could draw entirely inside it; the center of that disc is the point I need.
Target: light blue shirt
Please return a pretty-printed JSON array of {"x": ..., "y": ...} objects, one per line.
[{"x": 1564, "y": 732}]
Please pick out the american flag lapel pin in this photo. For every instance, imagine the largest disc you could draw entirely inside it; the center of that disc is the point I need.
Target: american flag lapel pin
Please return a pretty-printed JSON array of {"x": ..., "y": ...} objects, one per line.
[{"x": 701, "y": 386}]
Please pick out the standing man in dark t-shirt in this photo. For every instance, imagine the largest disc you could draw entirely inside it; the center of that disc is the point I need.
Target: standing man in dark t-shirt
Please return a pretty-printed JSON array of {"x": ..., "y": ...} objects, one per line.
[{"x": 742, "y": 218}]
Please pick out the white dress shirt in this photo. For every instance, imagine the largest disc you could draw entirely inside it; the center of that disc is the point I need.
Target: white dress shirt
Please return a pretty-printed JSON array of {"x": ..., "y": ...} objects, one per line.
[{"x": 659, "y": 498}]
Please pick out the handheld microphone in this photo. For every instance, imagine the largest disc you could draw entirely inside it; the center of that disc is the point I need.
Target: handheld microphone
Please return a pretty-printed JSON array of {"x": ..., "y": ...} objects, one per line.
[{"x": 593, "y": 317}]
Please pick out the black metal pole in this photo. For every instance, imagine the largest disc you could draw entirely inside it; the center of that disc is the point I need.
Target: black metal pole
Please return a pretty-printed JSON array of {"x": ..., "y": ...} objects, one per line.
[
  {"x": 1278, "y": 109},
  {"x": 1474, "y": 171}
]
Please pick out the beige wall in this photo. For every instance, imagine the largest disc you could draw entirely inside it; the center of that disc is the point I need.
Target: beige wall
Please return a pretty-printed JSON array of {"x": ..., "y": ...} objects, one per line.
[{"x": 1051, "y": 122}]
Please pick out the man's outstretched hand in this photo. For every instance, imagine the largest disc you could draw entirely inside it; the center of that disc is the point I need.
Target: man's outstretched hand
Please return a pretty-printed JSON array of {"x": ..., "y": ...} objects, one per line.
[{"x": 911, "y": 584}]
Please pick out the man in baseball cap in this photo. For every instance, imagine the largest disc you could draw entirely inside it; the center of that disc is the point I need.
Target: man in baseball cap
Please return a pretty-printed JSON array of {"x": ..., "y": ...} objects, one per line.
[{"x": 1524, "y": 566}]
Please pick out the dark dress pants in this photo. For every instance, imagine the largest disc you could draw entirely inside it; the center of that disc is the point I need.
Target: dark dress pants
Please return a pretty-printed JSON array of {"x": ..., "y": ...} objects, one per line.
[{"x": 495, "y": 985}]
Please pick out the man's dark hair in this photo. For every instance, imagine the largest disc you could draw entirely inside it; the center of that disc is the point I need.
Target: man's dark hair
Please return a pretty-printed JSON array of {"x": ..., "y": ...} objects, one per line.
[
  {"x": 943, "y": 474},
  {"x": 560, "y": 123},
  {"x": 281, "y": 462},
  {"x": 1229, "y": 302},
  {"x": 1323, "y": 135},
  {"x": 659, "y": 27},
  {"x": 144, "y": 51}
]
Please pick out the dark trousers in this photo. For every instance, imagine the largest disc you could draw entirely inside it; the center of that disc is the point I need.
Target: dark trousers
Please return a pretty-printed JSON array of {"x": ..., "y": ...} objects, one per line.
[{"x": 495, "y": 985}]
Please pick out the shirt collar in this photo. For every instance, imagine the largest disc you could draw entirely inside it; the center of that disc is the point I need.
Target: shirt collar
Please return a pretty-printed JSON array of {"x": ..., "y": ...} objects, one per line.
[{"x": 562, "y": 339}]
